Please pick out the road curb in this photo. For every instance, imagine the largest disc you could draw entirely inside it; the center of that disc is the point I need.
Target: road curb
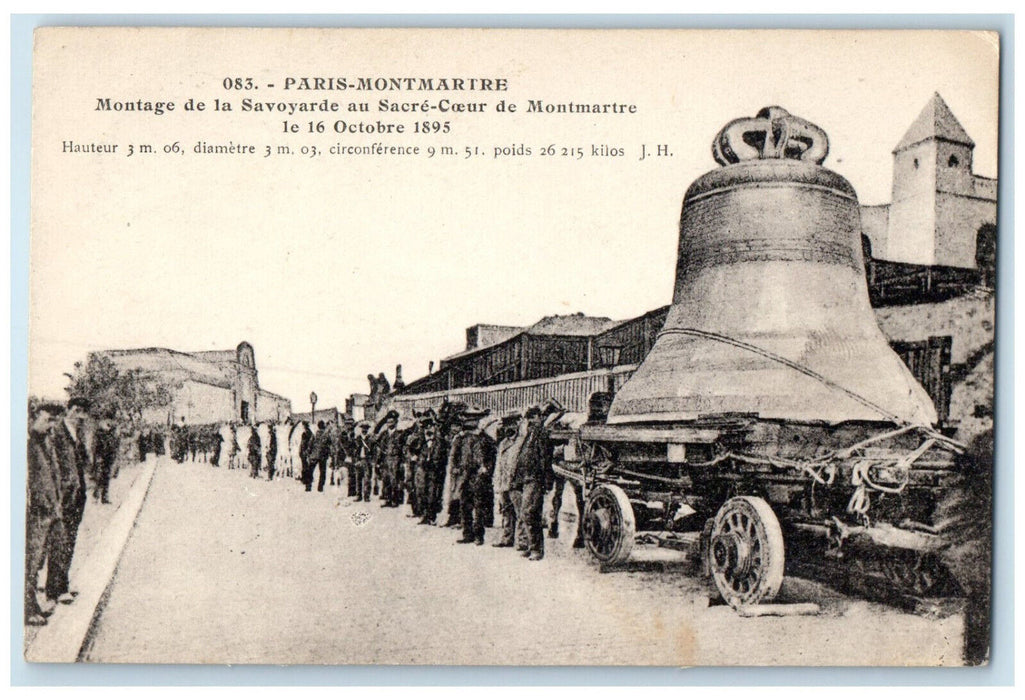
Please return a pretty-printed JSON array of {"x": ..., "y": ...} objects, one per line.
[{"x": 70, "y": 627}]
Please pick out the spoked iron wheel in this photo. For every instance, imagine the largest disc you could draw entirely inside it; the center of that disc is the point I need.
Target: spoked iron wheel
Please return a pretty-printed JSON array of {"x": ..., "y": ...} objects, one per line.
[
  {"x": 609, "y": 526},
  {"x": 746, "y": 551}
]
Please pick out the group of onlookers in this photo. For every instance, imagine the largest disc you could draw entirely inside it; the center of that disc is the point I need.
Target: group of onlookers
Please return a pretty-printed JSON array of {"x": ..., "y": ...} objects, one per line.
[
  {"x": 457, "y": 463},
  {"x": 447, "y": 463},
  {"x": 280, "y": 450},
  {"x": 441, "y": 463},
  {"x": 70, "y": 449}
]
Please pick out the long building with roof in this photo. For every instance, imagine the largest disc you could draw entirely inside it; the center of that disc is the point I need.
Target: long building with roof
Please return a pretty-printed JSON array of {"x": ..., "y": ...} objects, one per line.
[
  {"x": 213, "y": 386},
  {"x": 554, "y": 345}
]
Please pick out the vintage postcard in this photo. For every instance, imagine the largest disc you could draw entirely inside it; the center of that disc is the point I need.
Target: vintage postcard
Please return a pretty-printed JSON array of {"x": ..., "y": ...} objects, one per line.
[{"x": 511, "y": 347}]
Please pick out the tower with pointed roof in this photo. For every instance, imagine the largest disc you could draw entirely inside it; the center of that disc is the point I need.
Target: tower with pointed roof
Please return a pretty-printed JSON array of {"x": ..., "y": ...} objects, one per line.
[{"x": 940, "y": 208}]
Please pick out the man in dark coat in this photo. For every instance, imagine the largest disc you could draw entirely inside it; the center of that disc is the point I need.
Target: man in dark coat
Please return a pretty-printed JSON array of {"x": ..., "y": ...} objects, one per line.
[
  {"x": 235, "y": 459},
  {"x": 72, "y": 462},
  {"x": 414, "y": 453},
  {"x": 192, "y": 438},
  {"x": 105, "y": 449},
  {"x": 42, "y": 507},
  {"x": 472, "y": 471},
  {"x": 215, "y": 444},
  {"x": 433, "y": 462},
  {"x": 272, "y": 452},
  {"x": 253, "y": 449},
  {"x": 320, "y": 453},
  {"x": 361, "y": 461},
  {"x": 342, "y": 457},
  {"x": 305, "y": 448},
  {"x": 144, "y": 445},
  {"x": 534, "y": 476},
  {"x": 389, "y": 459},
  {"x": 416, "y": 468},
  {"x": 179, "y": 442}
]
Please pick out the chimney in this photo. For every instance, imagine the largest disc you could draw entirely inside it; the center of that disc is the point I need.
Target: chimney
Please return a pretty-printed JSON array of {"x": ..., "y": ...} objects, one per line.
[
  {"x": 430, "y": 367},
  {"x": 398, "y": 378}
]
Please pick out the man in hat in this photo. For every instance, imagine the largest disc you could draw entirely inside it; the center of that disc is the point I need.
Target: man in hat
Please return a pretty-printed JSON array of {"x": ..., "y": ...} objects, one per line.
[
  {"x": 472, "y": 472},
  {"x": 179, "y": 441},
  {"x": 344, "y": 455},
  {"x": 217, "y": 445},
  {"x": 433, "y": 463},
  {"x": 192, "y": 438},
  {"x": 320, "y": 453},
  {"x": 534, "y": 474},
  {"x": 72, "y": 460},
  {"x": 414, "y": 468},
  {"x": 551, "y": 414},
  {"x": 272, "y": 451},
  {"x": 389, "y": 456},
  {"x": 416, "y": 455},
  {"x": 509, "y": 444},
  {"x": 451, "y": 483},
  {"x": 105, "y": 448},
  {"x": 43, "y": 516},
  {"x": 235, "y": 449},
  {"x": 254, "y": 452},
  {"x": 361, "y": 453},
  {"x": 305, "y": 447}
]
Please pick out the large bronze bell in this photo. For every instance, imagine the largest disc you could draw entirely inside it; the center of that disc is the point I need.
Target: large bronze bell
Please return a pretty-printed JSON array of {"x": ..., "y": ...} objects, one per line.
[{"x": 770, "y": 313}]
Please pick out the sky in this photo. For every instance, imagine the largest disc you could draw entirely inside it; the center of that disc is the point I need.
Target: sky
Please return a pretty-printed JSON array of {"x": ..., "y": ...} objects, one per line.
[{"x": 336, "y": 266}]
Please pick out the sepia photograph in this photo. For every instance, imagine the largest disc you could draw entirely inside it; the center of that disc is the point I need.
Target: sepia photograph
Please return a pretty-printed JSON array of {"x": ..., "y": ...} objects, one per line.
[{"x": 511, "y": 347}]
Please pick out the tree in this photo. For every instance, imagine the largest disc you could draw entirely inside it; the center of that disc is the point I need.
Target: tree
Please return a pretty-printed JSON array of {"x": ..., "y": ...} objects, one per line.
[{"x": 127, "y": 392}]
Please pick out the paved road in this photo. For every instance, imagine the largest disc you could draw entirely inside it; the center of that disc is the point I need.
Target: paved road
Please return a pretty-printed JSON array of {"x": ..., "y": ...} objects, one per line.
[{"x": 225, "y": 569}]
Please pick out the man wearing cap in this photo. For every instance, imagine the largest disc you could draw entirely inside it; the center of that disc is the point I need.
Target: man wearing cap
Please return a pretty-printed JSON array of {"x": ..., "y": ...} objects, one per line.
[
  {"x": 533, "y": 474},
  {"x": 72, "y": 459},
  {"x": 343, "y": 456},
  {"x": 416, "y": 463},
  {"x": 179, "y": 441},
  {"x": 361, "y": 461},
  {"x": 550, "y": 416},
  {"x": 42, "y": 506},
  {"x": 433, "y": 462},
  {"x": 510, "y": 442},
  {"x": 389, "y": 455},
  {"x": 471, "y": 473},
  {"x": 105, "y": 448},
  {"x": 272, "y": 451},
  {"x": 320, "y": 453},
  {"x": 414, "y": 450},
  {"x": 305, "y": 447},
  {"x": 254, "y": 452},
  {"x": 450, "y": 494}
]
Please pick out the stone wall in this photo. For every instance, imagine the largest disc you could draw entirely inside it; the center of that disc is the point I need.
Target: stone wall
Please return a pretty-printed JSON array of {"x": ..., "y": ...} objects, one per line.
[{"x": 969, "y": 320}]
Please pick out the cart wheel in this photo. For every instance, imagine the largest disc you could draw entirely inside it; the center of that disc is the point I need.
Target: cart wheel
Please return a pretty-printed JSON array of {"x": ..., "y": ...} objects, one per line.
[
  {"x": 609, "y": 524},
  {"x": 746, "y": 551}
]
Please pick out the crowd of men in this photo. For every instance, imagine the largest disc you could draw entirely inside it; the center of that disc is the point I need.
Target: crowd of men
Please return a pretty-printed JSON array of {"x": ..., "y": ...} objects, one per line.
[
  {"x": 444, "y": 465},
  {"x": 70, "y": 450}
]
